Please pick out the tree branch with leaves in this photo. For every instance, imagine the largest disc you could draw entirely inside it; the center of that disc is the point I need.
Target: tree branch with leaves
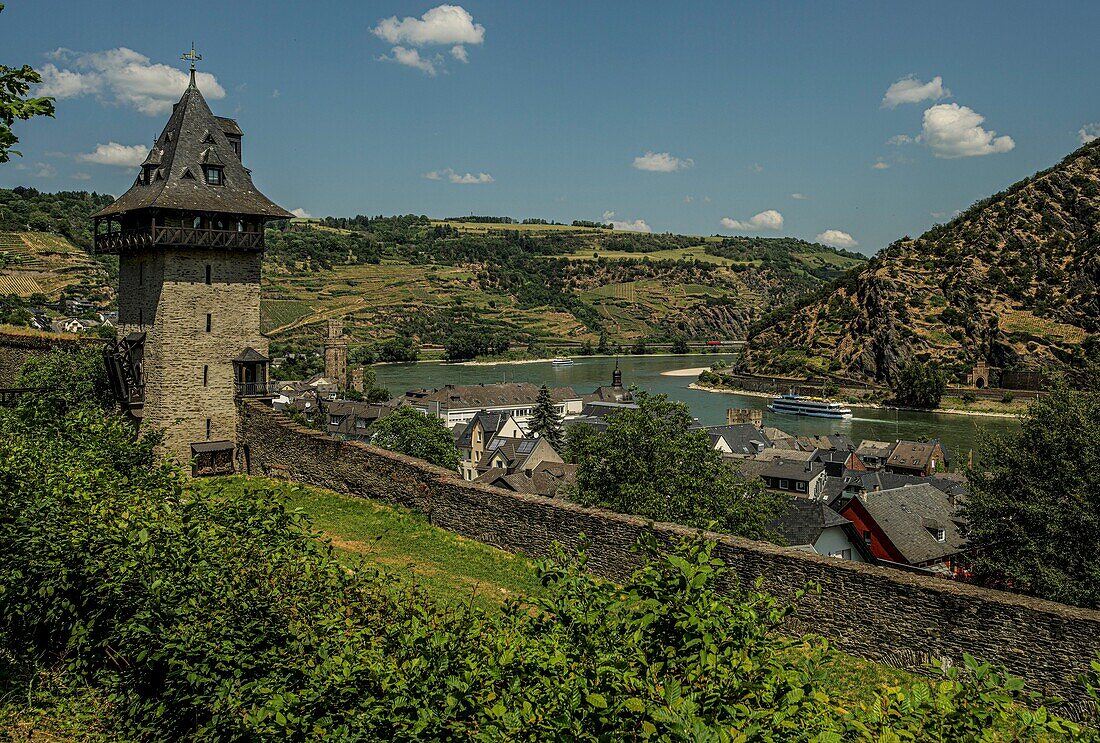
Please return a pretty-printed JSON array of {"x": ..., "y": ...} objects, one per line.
[{"x": 15, "y": 84}]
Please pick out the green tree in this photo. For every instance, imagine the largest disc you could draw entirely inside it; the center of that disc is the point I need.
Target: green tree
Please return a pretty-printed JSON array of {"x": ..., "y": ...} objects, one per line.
[
  {"x": 408, "y": 431},
  {"x": 15, "y": 82},
  {"x": 1033, "y": 512},
  {"x": 680, "y": 344},
  {"x": 398, "y": 348},
  {"x": 919, "y": 385},
  {"x": 545, "y": 420},
  {"x": 602, "y": 347},
  {"x": 639, "y": 348},
  {"x": 651, "y": 462},
  {"x": 67, "y": 380}
]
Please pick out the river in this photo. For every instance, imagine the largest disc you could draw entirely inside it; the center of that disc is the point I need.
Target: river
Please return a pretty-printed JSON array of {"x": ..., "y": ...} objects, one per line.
[{"x": 959, "y": 433}]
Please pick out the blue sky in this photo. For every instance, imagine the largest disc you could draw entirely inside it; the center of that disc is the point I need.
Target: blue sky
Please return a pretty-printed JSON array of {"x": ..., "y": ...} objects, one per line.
[{"x": 695, "y": 117}]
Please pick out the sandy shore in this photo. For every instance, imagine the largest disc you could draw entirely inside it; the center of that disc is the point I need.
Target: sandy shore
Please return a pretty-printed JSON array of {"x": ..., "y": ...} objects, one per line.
[
  {"x": 949, "y": 411},
  {"x": 692, "y": 372}
]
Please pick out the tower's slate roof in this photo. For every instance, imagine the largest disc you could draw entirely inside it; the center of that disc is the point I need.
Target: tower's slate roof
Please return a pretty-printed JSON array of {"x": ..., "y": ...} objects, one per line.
[{"x": 192, "y": 138}]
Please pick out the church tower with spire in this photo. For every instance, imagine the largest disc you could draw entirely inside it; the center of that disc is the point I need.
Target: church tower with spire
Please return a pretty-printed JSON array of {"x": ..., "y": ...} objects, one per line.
[{"x": 189, "y": 235}]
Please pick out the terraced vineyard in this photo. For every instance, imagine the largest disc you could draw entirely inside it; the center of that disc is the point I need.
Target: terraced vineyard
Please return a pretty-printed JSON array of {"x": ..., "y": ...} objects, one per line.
[{"x": 44, "y": 263}]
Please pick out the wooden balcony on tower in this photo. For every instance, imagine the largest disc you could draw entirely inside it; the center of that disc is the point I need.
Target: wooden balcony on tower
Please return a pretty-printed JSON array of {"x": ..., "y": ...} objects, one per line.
[{"x": 143, "y": 238}]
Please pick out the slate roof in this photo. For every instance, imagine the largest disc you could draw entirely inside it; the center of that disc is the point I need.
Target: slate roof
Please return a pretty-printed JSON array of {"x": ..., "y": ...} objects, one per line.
[
  {"x": 742, "y": 438},
  {"x": 872, "y": 448},
  {"x": 192, "y": 138},
  {"x": 913, "y": 453},
  {"x": 905, "y": 514},
  {"x": 951, "y": 484},
  {"x": 490, "y": 424},
  {"x": 249, "y": 355},
  {"x": 542, "y": 481},
  {"x": 803, "y": 520},
  {"x": 789, "y": 469},
  {"x": 487, "y": 395}
]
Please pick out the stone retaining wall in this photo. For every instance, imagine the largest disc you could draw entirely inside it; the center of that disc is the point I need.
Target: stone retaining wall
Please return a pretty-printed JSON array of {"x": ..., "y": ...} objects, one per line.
[
  {"x": 16, "y": 348},
  {"x": 884, "y": 615}
]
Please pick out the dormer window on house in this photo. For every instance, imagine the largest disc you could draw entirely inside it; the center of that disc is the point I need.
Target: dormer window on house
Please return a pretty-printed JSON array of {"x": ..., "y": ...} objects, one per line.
[
  {"x": 940, "y": 535},
  {"x": 148, "y": 174},
  {"x": 214, "y": 176}
]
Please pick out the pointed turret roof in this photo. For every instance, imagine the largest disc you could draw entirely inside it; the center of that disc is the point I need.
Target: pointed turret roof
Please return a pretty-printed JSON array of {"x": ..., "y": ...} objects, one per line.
[{"x": 192, "y": 138}]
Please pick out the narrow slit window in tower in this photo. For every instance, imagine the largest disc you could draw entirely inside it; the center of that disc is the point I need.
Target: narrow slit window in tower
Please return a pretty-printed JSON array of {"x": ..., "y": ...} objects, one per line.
[
  {"x": 209, "y": 321},
  {"x": 205, "y": 374},
  {"x": 208, "y": 274}
]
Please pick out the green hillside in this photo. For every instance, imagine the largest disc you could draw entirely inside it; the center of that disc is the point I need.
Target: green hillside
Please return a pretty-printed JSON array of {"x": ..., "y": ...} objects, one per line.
[{"x": 535, "y": 283}]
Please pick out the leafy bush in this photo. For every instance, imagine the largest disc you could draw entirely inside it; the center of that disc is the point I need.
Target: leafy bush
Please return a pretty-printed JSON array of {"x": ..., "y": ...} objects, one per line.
[{"x": 408, "y": 431}]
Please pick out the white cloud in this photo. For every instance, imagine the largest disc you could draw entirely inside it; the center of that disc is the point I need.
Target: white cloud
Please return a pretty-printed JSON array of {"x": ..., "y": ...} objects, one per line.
[
  {"x": 637, "y": 225},
  {"x": 411, "y": 58},
  {"x": 900, "y": 139},
  {"x": 757, "y": 168},
  {"x": 113, "y": 153},
  {"x": 443, "y": 25},
  {"x": 38, "y": 170},
  {"x": 765, "y": 220},
  {"x": 881, "y": 165},
  {"x": 836, "y": 239},
  {"x": 122, "y": 76},
  {"x": 81, "y": 177},
  {"x": 688, "y": 199},
  {"x": 952, "y": 131},
  {"x": 1088, "y": 133},
  {"x": 911, "y": 90},
  {"x": 301, "y": 213},
  {"x": 799, "y": 196},
  {"x": 462, "y": 179},
  {"x": 275, "y": 93},
  {"x": 661, "y": 162}
]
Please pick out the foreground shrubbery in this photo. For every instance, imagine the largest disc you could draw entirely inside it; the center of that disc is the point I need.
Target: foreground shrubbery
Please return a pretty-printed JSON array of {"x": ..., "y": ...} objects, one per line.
[{"x": 217, "y": 615}]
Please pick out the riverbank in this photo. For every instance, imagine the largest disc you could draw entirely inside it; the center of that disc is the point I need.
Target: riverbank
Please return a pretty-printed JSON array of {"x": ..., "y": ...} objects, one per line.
[
  {"x": 690, "y": 372},
  {"x": 868, "y": 405}
]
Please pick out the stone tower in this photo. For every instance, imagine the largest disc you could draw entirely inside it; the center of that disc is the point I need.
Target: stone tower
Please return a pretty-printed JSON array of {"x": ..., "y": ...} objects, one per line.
[
  {"x": 189, "y": 235},
  {"x": 336, "y": 354}
]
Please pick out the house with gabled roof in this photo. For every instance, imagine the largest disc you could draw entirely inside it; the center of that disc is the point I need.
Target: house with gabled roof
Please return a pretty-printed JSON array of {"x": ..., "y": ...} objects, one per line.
[
  {"x": 922, "y": 458},
  {"x": 812, "y": 526},
  {"x": 472, "y": 439},
  {"x": 913, "y": 526}
]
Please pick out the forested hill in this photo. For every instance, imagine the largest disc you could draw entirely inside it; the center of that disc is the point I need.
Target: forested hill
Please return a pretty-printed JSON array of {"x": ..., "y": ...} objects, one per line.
[
  {"x": 1014, "y": 281},
  {"x": 523, "y": 283},
  {"x": 531, "y": 283},
  {"x": 65, "y": 213}
]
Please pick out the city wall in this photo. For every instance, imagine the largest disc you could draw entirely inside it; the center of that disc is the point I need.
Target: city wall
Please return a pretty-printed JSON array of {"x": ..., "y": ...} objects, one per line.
[
  {"x": 884, "y": 615},
  {"x": 16, "y": 348}
]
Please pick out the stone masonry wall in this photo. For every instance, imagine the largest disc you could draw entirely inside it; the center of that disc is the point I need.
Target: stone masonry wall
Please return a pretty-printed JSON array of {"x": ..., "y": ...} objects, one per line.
[
  {"x": 164, "y": 293},
  {"x": 881, "y": 614},
  {"x": 15, "y": 349}
]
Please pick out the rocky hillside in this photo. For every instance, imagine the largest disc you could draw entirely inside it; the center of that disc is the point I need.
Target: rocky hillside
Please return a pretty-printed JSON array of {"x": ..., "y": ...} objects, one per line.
[{"x": 1013, "y": 281}]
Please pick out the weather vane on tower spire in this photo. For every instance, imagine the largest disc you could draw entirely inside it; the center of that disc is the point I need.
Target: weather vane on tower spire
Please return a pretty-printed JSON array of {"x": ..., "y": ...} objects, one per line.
[{"x": 191, "y": 57}]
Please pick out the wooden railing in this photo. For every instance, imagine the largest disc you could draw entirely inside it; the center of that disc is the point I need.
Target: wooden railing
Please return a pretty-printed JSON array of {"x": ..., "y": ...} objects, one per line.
[
  {"x": 257, "y": 389},
  {"x": 147, "y": 237}
]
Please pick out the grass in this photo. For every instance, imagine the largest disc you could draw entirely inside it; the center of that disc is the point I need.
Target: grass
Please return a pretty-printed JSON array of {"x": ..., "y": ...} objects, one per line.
[
  {"x": 402, "y": 541},
  {"x": 456, "y": 569}
]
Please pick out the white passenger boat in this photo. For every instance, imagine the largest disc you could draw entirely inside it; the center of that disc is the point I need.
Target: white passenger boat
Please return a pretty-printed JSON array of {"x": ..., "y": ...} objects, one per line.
[
  {"x": 562, "y": 362},
  {"x": 797, "y": 405}
]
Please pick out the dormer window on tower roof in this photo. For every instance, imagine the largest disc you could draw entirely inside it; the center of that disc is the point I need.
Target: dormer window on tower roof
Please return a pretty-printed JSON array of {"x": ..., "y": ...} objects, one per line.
[{"x": 214, "y": 175}]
